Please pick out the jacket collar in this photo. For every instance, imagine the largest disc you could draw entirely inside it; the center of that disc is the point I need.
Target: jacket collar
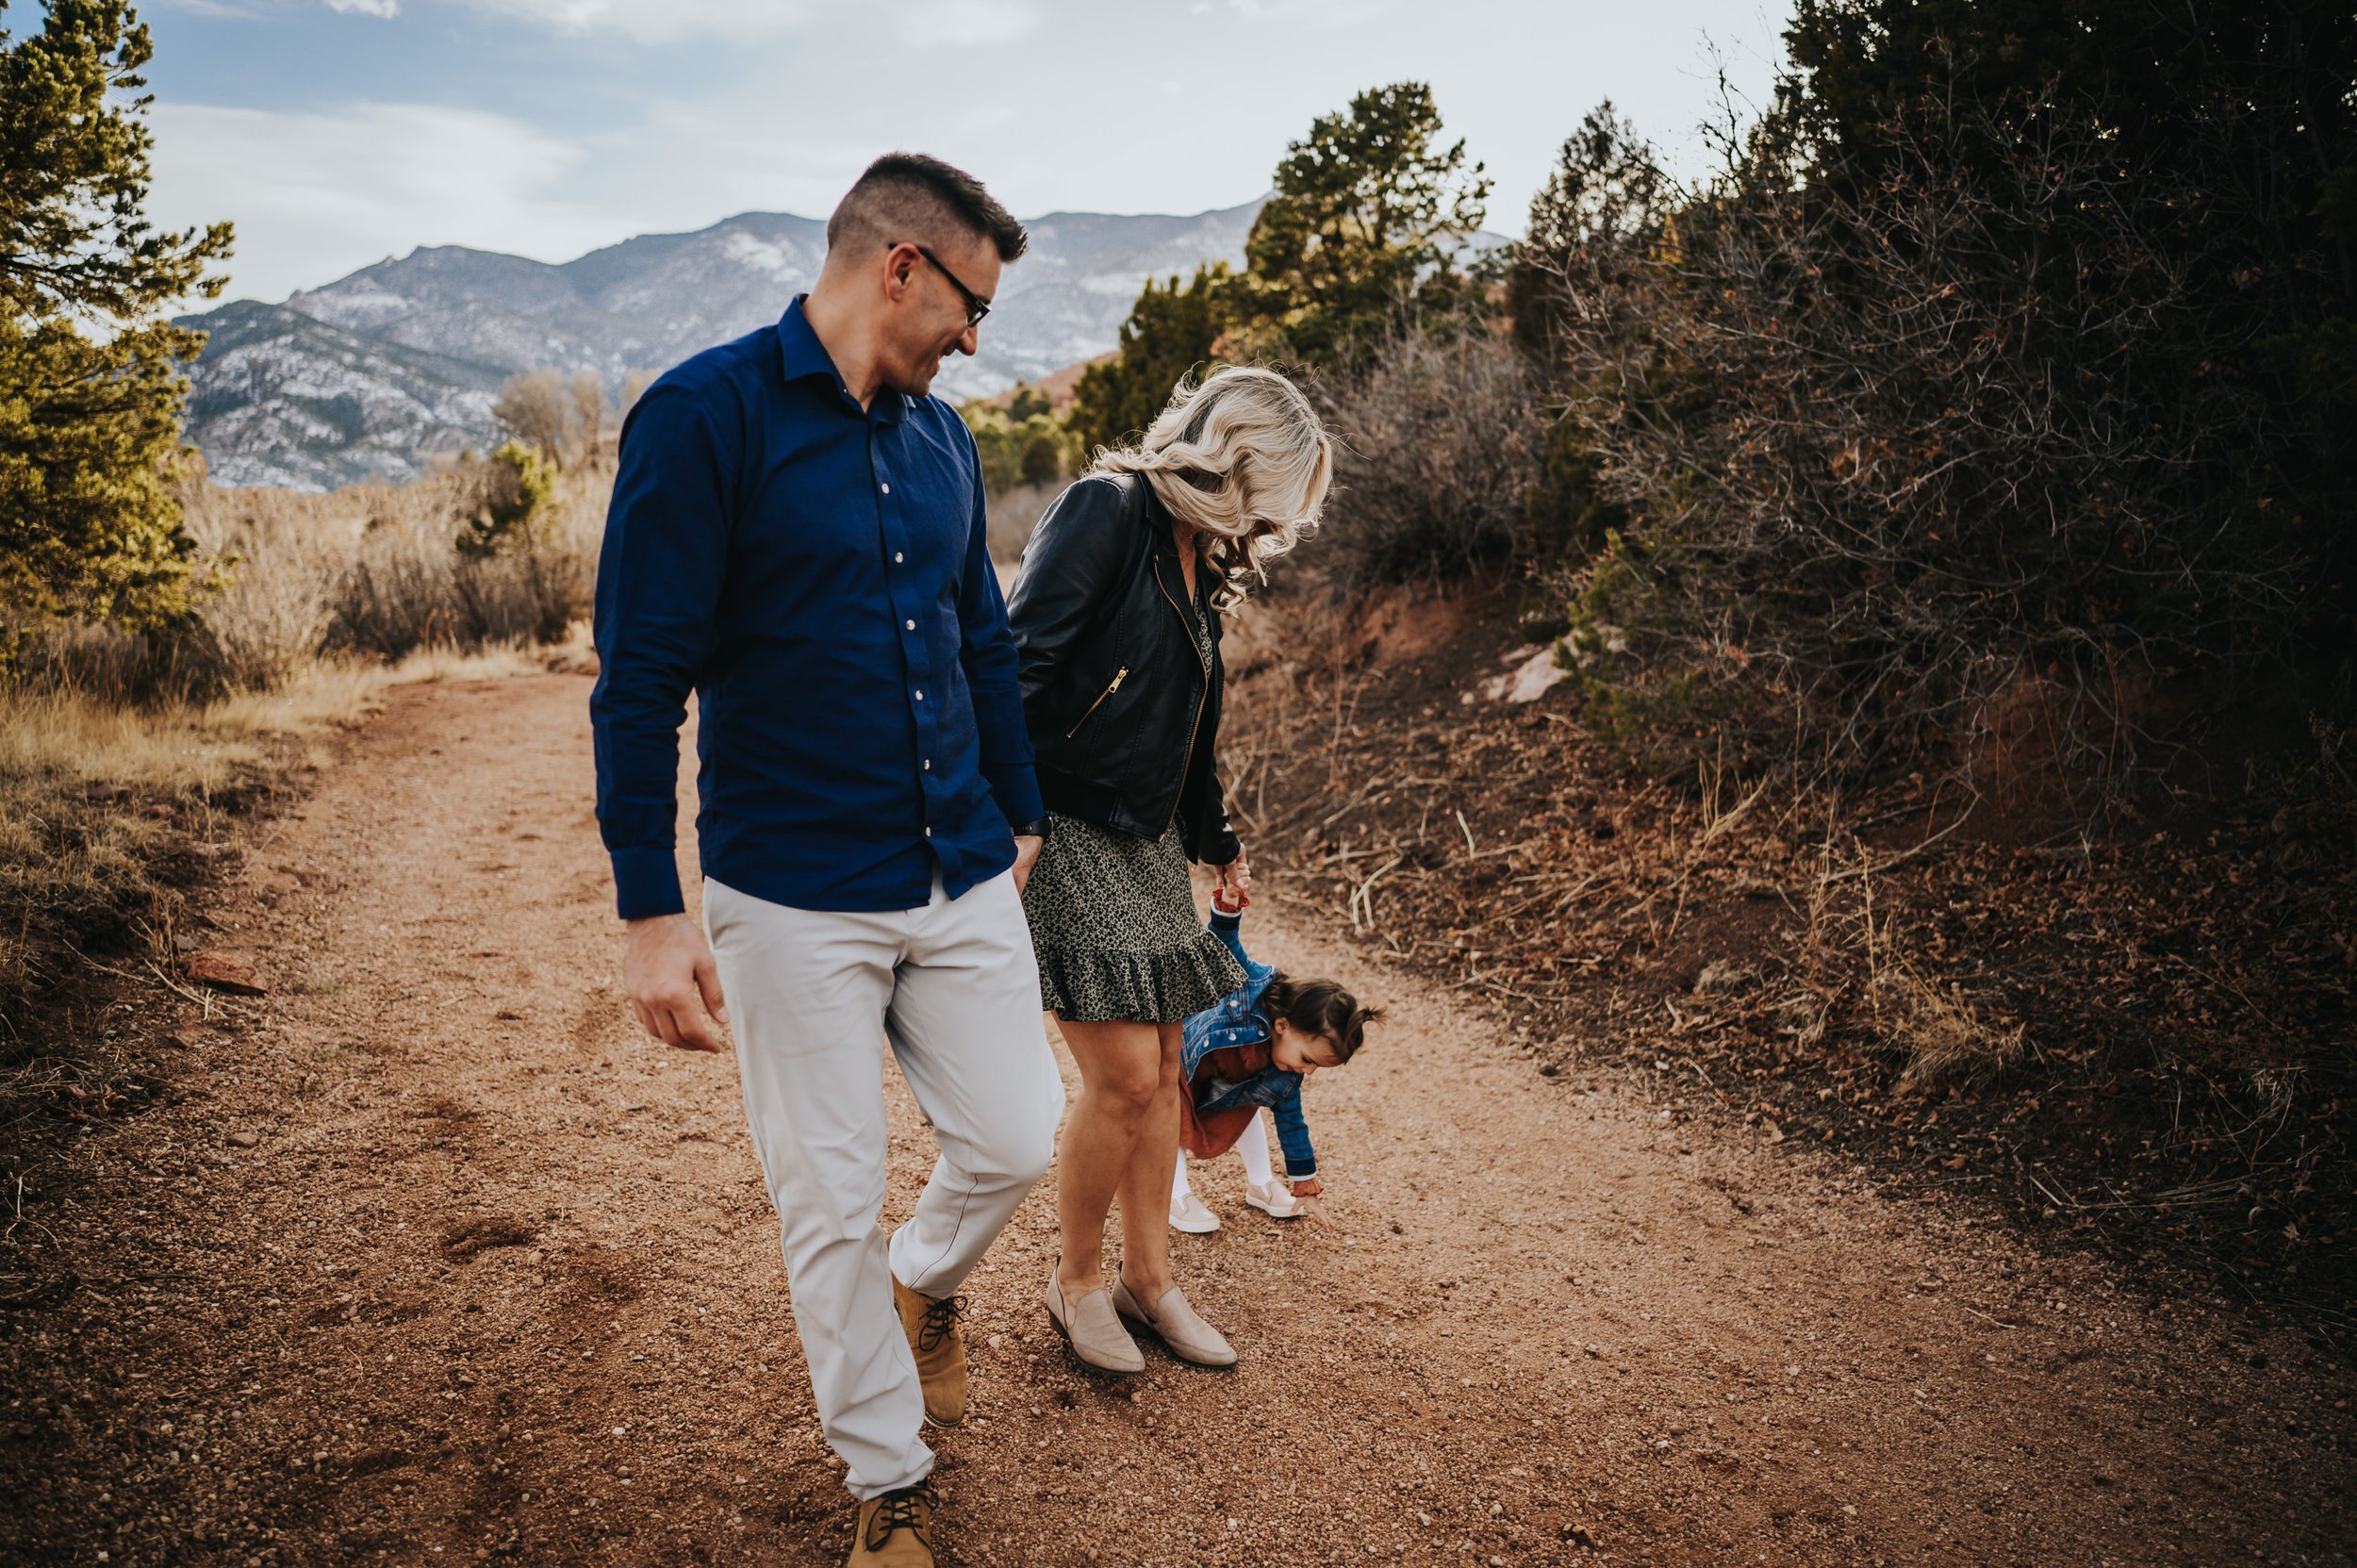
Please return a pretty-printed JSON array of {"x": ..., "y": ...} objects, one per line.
[
  {"x": 1157, "y": 518},
  {"x": 800, "y": 354},
  {"x": 1164, "y": 550}
]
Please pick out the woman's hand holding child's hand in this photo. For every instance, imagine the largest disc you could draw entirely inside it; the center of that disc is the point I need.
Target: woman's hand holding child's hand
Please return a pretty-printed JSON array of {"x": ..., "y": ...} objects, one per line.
[{"x": 1235, "y": 884}]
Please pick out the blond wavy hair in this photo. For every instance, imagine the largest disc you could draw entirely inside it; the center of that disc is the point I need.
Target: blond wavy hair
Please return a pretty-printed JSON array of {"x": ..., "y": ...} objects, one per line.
[{"x": 1242, "y": 458}]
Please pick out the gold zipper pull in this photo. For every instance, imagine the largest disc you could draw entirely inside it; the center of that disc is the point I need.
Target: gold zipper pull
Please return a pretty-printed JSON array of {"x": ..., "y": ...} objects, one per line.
[{"x": 1119, "y": 675}]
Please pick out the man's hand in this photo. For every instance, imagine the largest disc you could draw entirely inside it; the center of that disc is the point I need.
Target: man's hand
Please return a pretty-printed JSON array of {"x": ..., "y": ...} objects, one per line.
[
  {"x": 1027, "y": 849},
  {"x": 668, "y": 969}
]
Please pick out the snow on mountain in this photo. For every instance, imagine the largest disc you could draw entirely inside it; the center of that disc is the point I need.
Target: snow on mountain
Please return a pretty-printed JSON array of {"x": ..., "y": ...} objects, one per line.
[
  {"x": 372, "y": 375},
  {"x": 281, "y": 398}
]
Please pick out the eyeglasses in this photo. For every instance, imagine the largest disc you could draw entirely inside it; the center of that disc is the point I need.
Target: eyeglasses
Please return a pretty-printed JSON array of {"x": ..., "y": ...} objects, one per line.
[{"x": 976, "y": 306}]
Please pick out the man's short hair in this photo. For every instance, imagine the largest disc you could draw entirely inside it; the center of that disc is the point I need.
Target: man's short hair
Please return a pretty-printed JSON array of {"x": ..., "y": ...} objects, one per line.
[{"x": 910, "y": 197}]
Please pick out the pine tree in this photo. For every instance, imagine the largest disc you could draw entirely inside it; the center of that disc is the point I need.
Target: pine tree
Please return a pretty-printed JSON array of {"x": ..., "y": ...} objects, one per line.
[
  {"x": 90, "y": 384},
  {"x": 1604, "y": 208},
  {"x": 1368, "y": 218},
  {"x": 1171, "y": 332},
  {"x": 1370, "y": 214}
]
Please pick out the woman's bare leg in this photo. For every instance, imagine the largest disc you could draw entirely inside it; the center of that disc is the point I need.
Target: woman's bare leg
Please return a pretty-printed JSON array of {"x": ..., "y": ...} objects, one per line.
[
  {"x": 1121, "y": 1075},
  {"x": 1146, "y": 1185}
]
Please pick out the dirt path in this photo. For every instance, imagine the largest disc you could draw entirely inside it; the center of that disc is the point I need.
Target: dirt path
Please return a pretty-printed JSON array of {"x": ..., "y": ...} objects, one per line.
[{"x": 498, "y": 1279}]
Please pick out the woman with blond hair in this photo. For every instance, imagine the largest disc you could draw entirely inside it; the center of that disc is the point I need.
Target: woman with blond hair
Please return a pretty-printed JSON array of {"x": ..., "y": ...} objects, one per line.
[{"x": 1116, "y": 613}]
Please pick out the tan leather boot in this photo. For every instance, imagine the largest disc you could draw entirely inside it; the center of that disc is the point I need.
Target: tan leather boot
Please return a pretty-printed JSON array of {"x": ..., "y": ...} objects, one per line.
[
  {"x": 896, "y": 1530},
  {"x": 939, "y": 1345}
]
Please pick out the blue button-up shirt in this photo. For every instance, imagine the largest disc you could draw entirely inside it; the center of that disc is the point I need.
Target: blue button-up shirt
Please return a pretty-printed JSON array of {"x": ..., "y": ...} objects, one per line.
[{"x": 820, "y": 576}]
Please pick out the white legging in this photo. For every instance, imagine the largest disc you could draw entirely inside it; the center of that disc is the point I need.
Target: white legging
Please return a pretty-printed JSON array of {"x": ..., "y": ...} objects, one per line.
[{"x": 1252, "y": 1147}]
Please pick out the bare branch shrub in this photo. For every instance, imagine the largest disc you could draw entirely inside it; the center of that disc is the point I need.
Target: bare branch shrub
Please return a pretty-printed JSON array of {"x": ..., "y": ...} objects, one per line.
[
  {"x": 1013, "y": 512},
  {"x": 564, "y": 417},
  {"x": 1899, "y": 460},
  {"x": 1437, "y": 435},
  {"x": 589, "y": 414}
]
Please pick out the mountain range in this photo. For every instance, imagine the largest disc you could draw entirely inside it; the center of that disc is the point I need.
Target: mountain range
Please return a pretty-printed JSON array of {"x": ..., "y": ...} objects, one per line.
[{"x": 374, "y": 376}]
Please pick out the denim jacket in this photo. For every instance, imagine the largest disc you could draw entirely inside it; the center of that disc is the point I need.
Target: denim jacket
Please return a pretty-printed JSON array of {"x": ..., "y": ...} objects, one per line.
[{"x": 1237, "y": 1020}]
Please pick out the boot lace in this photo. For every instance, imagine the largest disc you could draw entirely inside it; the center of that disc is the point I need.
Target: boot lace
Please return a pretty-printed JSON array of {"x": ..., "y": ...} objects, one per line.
[
  {"x": 908, "y": 1509},
  {"x": 940, "y": 1321}
]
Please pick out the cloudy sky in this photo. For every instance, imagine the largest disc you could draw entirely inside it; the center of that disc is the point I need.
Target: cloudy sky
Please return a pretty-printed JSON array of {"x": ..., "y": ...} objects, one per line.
[{"x": 335, "y": 133}]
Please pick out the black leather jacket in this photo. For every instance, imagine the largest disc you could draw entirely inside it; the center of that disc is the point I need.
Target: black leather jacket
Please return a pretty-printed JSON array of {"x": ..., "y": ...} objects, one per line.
[{"x": 1123, "y": 713}]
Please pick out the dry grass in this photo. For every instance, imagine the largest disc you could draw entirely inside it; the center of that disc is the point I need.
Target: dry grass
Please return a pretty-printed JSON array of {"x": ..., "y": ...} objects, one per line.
[
  {"x": 369, "y": 572},
  {"x": 125, "y": 758},
  {"x": 1947, "y": 1043}
]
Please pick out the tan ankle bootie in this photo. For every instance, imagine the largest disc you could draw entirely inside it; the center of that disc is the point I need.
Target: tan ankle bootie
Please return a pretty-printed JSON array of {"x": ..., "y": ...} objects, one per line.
[
  {"x": 896, "y": 1530},
  {"x": 1178, "y": 1323},
  {"x": 1089, "y": 1325},
  {"x": 939, "y": 1345}
]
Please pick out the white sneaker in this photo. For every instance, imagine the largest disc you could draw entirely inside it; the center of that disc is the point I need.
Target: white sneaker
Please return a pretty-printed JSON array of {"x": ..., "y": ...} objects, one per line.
[
  {"x": 1278, "y": 1202},
  {"x": 1189, "y": 1214}
]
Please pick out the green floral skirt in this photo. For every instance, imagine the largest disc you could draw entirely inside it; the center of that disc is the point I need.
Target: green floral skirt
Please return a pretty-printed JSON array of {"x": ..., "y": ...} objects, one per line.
[{"x": 1114, "y": 923}]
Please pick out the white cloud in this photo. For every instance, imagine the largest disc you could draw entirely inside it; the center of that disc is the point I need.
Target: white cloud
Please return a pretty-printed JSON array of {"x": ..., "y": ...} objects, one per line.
[
  {"x": 658, "y": 20},
  {"x": 956, "y": 24},
  {"x": 664, "y": 138},
  {"x": 365, "y": 7},
  {"x": 315, "y": 195},
  {"x": 917, "y": 23}
]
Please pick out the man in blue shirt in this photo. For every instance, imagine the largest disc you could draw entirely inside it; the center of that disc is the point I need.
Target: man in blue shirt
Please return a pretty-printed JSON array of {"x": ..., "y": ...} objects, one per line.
[{"x": 797, "y": 535}]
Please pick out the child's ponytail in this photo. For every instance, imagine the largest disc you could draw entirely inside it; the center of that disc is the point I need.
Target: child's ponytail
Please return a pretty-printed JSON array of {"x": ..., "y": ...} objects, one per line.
[{"x": 1322, "y": 1007}]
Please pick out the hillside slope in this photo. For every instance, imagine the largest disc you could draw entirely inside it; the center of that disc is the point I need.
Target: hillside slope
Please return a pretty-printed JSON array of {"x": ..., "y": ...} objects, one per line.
[{"x": 2131, "y": 1036}]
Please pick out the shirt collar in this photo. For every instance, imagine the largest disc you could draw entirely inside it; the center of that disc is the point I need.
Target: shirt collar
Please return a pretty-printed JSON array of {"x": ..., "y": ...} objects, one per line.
[{"x": 800, "y": 353}]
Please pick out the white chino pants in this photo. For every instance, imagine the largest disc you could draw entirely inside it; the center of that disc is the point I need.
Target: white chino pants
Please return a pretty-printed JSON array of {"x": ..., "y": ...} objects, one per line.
[{"x": 813, "y": 997}]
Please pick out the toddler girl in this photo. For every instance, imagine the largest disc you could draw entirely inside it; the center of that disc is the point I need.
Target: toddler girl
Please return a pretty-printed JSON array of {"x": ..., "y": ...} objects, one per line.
[{"x": 1255, "y": 1047}]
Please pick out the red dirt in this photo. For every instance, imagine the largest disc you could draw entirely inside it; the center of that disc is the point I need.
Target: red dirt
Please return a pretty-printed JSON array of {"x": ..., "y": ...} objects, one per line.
[{"x": 498, "y": 1279}]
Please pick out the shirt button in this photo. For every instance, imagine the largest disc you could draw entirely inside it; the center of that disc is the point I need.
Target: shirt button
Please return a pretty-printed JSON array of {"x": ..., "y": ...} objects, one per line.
[
  {"x": 909, "y": 624},
  {"x": 920, "y": 697},
  {"x": 888, "y": 490},
  {"x": 928, "y": 764},
  {"x": 896, "y": 557},
  {"x": 929, "y": 833}
]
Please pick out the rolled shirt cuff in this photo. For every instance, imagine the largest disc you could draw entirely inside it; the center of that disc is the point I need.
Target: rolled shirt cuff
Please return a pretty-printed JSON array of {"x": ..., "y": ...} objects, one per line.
[
  {"x": 646, "y": 883},
  {"x": 1016, "y": 791}
]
